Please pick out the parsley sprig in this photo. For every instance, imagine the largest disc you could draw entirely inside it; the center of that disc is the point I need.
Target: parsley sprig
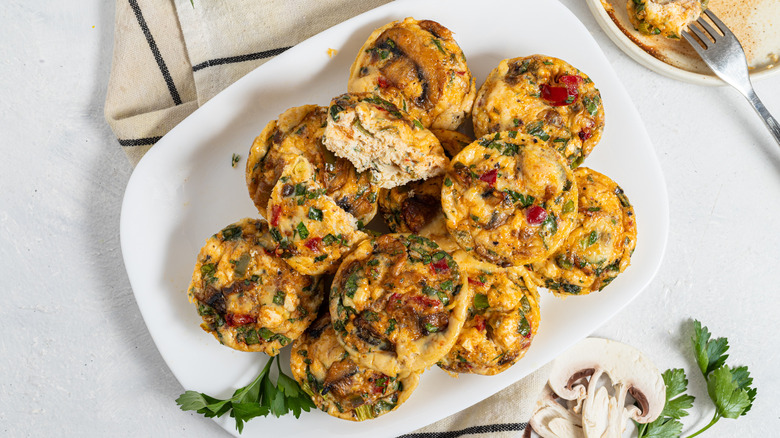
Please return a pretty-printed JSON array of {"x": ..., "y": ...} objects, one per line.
[
  {"x": 729, "y": 388},
  {"x": 258, "y": 399}
]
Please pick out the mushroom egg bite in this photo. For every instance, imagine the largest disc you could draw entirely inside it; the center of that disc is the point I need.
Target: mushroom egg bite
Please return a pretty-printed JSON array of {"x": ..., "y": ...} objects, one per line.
[
  {"x": 398, "y": 303},
  {"x": 337, "y": 384},
  {"x": 544, "y": 97},
  {"x": 311, "y": 231},
  {"x": 249, "y": 298},
  {"x": 600, "y": 245},
  {"x": 502, "y": 319},
  {"x": 664, "y": 17},
  {"x": 375, "y": 135},
  {"x": 505, "y": 196},
  {"x": 298, "y": 132},
  {"x": 419, "y": 67}
]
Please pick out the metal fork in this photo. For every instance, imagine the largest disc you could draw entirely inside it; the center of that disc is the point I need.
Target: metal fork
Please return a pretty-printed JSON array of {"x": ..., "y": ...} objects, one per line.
[{"x": 723, "y": 53}]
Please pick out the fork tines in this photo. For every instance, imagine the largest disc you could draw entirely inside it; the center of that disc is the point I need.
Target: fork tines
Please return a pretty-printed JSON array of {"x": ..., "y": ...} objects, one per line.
[{"x": 709, "y": 35}]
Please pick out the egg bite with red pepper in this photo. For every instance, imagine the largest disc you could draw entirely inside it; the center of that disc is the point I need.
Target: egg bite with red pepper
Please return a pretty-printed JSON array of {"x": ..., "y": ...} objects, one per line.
[
  {"x": 664, "y": 17},
  {"x": 600, "y": 245},
  {"x": 397, "y": 303},
  {"x": 415, "y": 208},
  {"x": 502, "y": 319},
  {"x": 504, "y": 195},
  {"x": 248, "y": 297},
  {"x": 452, "y": 141},
  {"x": 337, "y": 384},
  {"x": 298, "y": 132},
  {"x": 419, "y": 67},
  {"x": 311, "y": 231},
  {"x": 544, "y": 97},
  {"x": 376, "y": 136}
]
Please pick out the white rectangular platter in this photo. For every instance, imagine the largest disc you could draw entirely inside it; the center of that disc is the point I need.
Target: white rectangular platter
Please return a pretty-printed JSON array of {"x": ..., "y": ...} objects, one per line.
[{"x": 184, "y": 190}]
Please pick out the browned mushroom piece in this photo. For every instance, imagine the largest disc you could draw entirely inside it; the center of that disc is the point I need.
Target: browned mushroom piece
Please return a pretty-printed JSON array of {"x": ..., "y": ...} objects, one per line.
[
  {"x": 337, "y": 384},
  {"x": 398, "y": 303},
  {"x": 416, "y": 208},
  {"x": 418, "y": 66}
]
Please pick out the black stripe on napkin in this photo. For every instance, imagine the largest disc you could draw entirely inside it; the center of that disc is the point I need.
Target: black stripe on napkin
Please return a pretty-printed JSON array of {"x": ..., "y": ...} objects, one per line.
[
  {"x": 139, "y": 141},
  {"x": 156, "y": 52},
  {"x": 488, "y": 428},
  {"x": 241, "y": 58}
]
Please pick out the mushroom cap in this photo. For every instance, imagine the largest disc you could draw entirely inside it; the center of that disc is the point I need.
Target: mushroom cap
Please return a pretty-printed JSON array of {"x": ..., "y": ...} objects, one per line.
[{"x": 626, "y": 367}]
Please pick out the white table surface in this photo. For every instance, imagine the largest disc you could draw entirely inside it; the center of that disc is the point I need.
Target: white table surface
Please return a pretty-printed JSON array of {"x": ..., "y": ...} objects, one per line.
[{"x": 77, "y": 359}]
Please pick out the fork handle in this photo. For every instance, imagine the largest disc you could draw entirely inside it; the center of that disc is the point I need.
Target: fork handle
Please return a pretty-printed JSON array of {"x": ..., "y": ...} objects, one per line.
[{"x": 769, "y": 121}]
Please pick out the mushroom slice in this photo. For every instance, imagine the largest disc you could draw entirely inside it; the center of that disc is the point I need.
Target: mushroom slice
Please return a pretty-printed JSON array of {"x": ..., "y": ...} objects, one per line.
[
  {"x": 595, "y": 410},
  {"x": 553, "y": 420}
]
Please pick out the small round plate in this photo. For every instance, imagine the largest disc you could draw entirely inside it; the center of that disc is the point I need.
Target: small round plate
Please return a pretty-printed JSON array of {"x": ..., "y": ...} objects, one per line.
[{"x": 750, "y": 20}]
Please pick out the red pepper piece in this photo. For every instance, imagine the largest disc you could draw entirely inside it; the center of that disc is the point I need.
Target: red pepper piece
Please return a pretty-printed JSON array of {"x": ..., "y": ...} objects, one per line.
[
  {"x": 560, "y": 96},
  {"x": 382, "y": 82},
  {"x": 425, "y": 301},
  {"x": 475, "y": 282},
  {"x": 489, "y": 177},
  {"x": 234, "y": 319},
  {"x": 585, "y": 134},
  {"x": 571, "y": 81},
  {"x": 556, "y": 96},
  {"x": 380, "y": 385},
  {"x": 535, "y": 215},
  {"x": 275, "y": 212},
  {"x": 313, "y": 244},
  {"x": 479, "y": 323},
  {"x": 440, "y": 266}
]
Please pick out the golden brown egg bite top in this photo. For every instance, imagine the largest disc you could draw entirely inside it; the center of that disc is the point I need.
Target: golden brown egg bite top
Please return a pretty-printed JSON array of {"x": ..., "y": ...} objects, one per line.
[
  {"x": 311, "y": 232},
  {"x": 502, "y": 319},
  {"x": 249, "y": 298},
  {"x": 544, "y": 97},
  {"x": 419, "y": 67},
  {"x": 509, "y": 198},
  {"x": 398, "y": 303},
  {"x": 337, "y": 384},
  {"x": 600, "y": 245}
]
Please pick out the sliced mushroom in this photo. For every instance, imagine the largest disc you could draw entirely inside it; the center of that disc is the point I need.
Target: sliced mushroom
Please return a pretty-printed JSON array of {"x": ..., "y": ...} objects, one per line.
[
  {"x": 594, "y": 411},
  {"x": 551, "y": 419}
]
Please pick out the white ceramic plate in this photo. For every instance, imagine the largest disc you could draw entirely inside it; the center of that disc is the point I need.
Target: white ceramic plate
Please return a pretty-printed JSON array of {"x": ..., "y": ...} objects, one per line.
[
  {"x": 184, "y": 190},
  {"x": 754, "y": 22}
]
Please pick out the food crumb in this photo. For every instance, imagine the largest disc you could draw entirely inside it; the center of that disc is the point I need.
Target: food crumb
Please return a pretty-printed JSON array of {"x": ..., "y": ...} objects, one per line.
[
  {"x": 332, "y": 52},
  {"x": 234, "y": 160}
]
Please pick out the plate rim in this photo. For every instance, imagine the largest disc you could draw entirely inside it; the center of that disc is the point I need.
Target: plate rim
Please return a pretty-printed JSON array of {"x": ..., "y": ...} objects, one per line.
[{"x": 652, "y": 63}]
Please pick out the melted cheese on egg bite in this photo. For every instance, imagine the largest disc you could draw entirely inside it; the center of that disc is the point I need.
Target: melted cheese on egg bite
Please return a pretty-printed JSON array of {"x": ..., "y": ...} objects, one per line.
[
  {"x": 504, "y": 198},
  {"x": 600, "y": 245},
  {"x": 249, "y": 298},
  {"x": 337, "y": 384}
]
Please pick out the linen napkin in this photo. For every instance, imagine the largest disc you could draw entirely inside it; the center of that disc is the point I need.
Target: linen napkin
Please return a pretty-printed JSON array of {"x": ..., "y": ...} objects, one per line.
[{"x": 171, "y": 56}]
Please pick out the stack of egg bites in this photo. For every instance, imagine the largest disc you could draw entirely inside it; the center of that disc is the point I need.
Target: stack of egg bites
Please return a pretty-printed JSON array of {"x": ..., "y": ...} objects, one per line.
[{"x": 477, "y": 225}]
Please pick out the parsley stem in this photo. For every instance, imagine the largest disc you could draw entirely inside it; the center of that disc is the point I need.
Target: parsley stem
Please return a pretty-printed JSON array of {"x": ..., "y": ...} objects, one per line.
[{"x": 714, "y": 420}]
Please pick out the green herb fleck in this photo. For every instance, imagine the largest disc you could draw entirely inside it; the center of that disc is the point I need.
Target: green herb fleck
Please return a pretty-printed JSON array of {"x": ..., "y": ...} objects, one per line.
[{"x": 315, "y": 214}]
